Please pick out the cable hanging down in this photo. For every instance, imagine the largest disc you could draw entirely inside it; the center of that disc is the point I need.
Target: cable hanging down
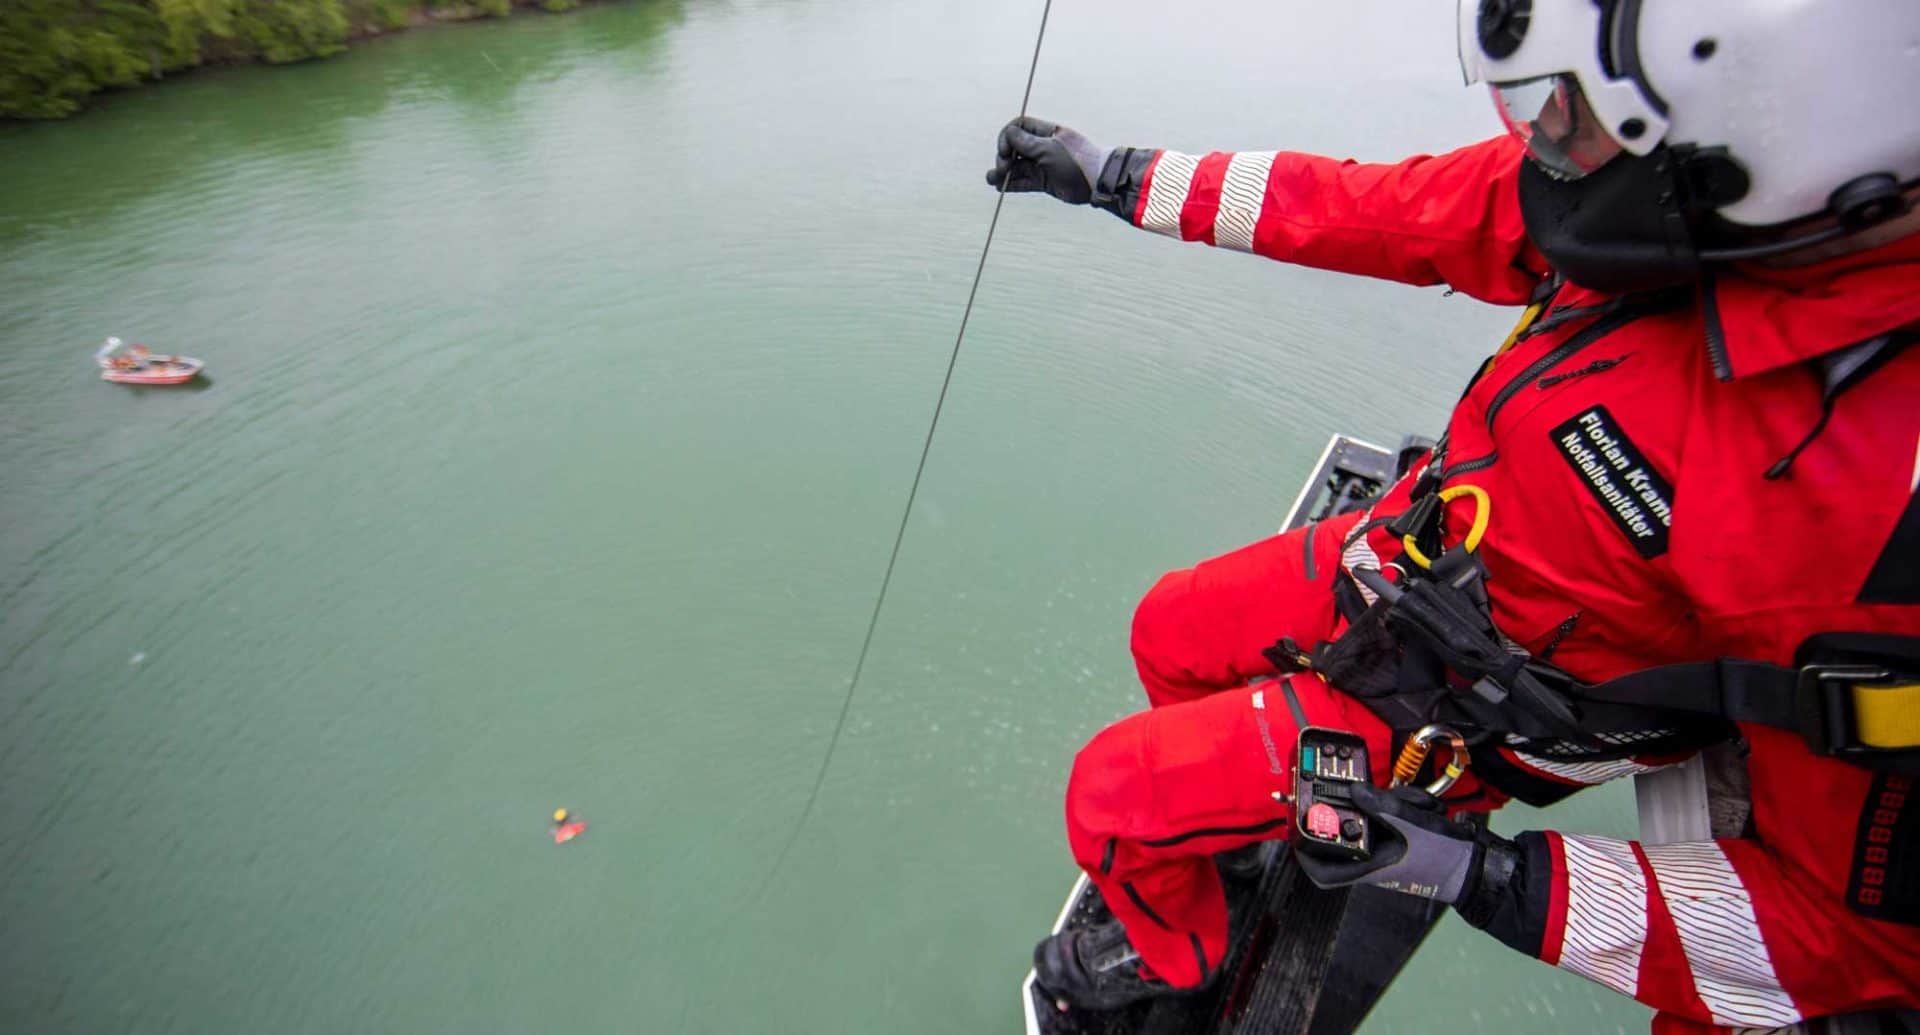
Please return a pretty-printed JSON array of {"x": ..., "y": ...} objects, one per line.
[{"x": 900, "y": 535}]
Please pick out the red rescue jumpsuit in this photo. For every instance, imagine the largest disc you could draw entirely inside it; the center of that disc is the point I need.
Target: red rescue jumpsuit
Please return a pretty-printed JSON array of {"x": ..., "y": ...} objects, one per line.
[{"x": 1630, "y": 527}]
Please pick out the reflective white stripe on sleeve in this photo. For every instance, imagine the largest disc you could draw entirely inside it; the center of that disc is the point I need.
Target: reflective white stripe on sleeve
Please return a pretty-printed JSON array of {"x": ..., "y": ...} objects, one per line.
[
  {"x": 1731, "y": 968},
  {"x": 1606, "y": 912},
  {"x": 1167, "y": 192},
  {"x": 1242, "y": 192}
]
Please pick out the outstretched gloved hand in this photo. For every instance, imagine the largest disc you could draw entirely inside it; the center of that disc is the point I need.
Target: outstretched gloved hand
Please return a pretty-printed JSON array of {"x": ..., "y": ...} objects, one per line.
[
  {"x": 1419, "y": 851},
  {"x": 1037, "y": 155}
]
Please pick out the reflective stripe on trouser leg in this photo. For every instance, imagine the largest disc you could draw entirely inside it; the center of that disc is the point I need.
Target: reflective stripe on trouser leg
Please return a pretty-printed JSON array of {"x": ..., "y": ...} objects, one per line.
[
  {"x": 1606, "y": 919},
  {"x": 1713, "y": 912}
]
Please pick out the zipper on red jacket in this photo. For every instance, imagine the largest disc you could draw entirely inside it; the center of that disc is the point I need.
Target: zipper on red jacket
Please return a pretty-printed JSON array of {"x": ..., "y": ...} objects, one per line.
[
  {"x": 1716, "y": 334},
  {"x": 1559, "y": 633},
  {"x": 1595, "y": 367},
  {"x": 1557, "y": 355}
]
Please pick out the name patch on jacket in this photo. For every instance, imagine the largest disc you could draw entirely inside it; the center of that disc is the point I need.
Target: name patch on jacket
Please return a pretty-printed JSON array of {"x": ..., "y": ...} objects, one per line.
[
  {"x": 1885, "y": 882},
  {"x": 1632, "y": 493}
]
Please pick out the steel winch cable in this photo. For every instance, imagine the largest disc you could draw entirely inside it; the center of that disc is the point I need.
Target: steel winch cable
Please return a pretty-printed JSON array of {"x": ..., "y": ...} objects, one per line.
[{"x": 913, "y": 492}]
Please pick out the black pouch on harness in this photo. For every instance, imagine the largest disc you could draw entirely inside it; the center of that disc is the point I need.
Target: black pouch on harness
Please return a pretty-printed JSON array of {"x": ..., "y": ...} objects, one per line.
[
  {"x": 1364, "y": 661},
  {"x": 1368, "y": 663},
  {"x": 1447, "y": 620}
]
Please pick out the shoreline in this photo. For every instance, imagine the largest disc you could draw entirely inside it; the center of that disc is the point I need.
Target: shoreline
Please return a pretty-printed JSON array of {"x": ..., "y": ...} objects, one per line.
[
  {"x": 222, "y": 52},
  {"x": 427, "y": 17}
]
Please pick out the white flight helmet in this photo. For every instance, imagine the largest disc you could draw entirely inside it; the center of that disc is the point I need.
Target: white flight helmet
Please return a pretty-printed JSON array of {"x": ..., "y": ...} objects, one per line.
[{"x": 1757, "y": 112}]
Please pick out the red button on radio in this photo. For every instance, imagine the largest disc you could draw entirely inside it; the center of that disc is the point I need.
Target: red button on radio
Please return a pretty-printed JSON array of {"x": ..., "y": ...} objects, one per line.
[{"x": 1322, "y": 821}]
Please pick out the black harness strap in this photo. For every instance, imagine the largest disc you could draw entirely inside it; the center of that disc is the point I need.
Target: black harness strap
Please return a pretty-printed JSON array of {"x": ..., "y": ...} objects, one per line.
[{"x": 1825, "y": 699}]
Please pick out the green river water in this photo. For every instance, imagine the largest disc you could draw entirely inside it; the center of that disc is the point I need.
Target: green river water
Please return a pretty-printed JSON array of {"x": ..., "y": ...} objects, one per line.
[{"x": 567, "y": 375}]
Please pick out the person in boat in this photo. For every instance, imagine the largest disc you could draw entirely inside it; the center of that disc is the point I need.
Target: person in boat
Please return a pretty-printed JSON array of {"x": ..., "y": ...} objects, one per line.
[
  {"x": 111, "y": 357},
  {"x": 1699, "y": 445}
]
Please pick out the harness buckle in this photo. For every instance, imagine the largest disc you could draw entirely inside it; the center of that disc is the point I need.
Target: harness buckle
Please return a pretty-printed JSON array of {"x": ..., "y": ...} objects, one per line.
[{"x": 1824, "y": 706}]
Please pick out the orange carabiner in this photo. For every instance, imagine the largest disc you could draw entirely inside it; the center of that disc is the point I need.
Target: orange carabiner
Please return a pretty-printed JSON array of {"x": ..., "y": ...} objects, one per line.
[{"x": 1413, "y": 754}]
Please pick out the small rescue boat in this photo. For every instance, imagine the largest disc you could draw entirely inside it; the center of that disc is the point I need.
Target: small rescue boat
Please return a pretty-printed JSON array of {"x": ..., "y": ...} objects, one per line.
[{"x": 137, "y": 365}]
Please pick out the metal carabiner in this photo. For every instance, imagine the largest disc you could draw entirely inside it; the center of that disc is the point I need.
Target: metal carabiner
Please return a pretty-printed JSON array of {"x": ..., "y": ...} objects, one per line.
[{"x": 1413, "y": 754}]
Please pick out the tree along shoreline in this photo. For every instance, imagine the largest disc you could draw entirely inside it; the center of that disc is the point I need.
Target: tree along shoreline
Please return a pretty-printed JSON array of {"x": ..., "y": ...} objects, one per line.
[{"x": 56, "y": 54}]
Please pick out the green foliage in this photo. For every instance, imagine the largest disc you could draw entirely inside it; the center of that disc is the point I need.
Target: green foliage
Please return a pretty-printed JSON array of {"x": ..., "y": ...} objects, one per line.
[
  {"x": 38, "y": 82},
  {"x": 55, "y": 53},
  {"x": 189, "y": 22},
  {"x": 381, "y": 14},
  {"x": 279, "y": 32}
]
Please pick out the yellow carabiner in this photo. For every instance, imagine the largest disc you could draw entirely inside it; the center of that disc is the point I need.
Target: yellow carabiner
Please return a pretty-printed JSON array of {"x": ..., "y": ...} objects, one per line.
[{"x": 1482, "y": 511}]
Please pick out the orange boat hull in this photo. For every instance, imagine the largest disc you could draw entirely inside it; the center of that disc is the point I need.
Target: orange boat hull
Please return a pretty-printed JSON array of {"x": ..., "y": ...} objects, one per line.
[{"x": 159, "y": 370}]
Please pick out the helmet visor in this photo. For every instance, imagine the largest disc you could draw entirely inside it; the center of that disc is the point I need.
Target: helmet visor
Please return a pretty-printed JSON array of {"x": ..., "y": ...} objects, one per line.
[{"x": 1551, "y": 116}]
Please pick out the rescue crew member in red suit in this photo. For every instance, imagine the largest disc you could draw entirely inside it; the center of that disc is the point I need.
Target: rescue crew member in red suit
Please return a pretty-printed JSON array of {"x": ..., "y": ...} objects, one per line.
[{"x": 1667, "y": 482}]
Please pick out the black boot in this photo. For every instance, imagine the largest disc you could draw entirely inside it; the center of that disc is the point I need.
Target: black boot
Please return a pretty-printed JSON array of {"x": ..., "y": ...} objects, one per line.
[{"x": 1095, "y": 968}]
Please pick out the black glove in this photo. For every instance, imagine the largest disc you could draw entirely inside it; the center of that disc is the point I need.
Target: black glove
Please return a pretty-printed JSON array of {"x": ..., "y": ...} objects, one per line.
[
  {"x": 1037, "y": 155},
  {"x": 1417, "y": 850}
]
